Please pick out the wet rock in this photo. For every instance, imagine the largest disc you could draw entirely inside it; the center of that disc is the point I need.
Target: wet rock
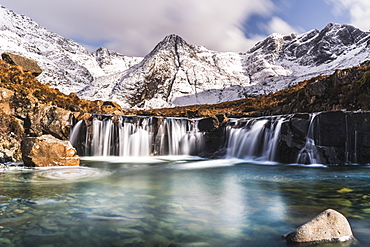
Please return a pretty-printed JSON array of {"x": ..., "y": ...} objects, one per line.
[
  {"x": 5, "y": 241},
  {"x": 292, "y": 138},
  {"x": 135, "y": 245},
  {"x": 15, "y": 221},
  {"x": 48, "y": 151},
  {"x": 26, "y": 63},
  {"x": 194, "y": 244},
  {"x": 329, "y": 226},
  {"x": 208, "y": 124}
]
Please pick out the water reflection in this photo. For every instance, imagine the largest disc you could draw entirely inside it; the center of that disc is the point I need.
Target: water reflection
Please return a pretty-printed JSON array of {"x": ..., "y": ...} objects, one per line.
[{"x": 207, "y": 203}]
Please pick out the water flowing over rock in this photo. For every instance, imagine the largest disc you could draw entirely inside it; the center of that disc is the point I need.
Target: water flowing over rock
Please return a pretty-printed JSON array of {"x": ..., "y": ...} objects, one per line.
[
  {"x": 47, "y": 150},
  {"x": 331, "y": 138},
  {"x": 105, "y": 135},
  {"x": 254, "y": 138},
  {"x": 328, "y": 226}
]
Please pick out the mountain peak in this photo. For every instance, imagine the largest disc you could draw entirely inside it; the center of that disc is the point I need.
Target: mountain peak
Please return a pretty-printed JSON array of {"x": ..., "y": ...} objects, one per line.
[
  {"x": 173, "y": 38},
  {"x": 273, "y": 43},
  {"x": 170, "y": 42},
  {"x": 178, "y": 73}
]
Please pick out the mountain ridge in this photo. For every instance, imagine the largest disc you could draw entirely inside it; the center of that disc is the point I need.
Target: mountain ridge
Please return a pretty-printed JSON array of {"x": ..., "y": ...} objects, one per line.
[{"x": 176, "y": 73}]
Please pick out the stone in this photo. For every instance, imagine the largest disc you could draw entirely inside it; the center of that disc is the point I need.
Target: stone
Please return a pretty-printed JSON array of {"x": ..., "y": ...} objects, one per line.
[
  {"x": 11, "y": 134},
  {"x": 26, "y": 63},
  {"x": 171, "y": 208},
  {"x": 5, "y": 98},
  {"x": 208, "y": 124},
  {"x": 329, "y": 226},
  {"x": 193, "y": 244},
  {"x": 46, "y": 119},
  {"x": 110, "y": 107},
  {"x": 16, "y": 221},
  {"x": 135, "y": 245},
  {"x": 47, "y": 151}
]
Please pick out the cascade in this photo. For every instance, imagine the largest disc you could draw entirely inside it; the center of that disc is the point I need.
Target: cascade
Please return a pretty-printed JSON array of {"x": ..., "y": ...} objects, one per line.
[
  {"x": 104, "y": 135},
  {"x": 318, "y": 138},
  {"x": 309, "y": 153},
  {"x": 254, "y": 138}
]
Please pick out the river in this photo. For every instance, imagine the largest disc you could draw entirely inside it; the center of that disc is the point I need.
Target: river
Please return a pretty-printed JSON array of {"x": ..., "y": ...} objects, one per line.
[{"x": 178, "y": 200}]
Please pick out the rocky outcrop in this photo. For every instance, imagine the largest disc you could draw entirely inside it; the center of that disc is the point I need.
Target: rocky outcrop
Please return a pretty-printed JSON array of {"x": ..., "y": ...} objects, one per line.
[
  {"x": 29, "y": 108},
  {"x": 11, "y": 134},
  {"x": 48, "y": 120},
  {"x": 47, "y": 151},
  {"x": 208, "y": 124},
  {"x": 328, "y": 226},
  {"x": 5, "y": 97},
  {"x": 339, "y": 138},
  {"x": 27, "y": 64},
  {"x": 347, "y": 89}
]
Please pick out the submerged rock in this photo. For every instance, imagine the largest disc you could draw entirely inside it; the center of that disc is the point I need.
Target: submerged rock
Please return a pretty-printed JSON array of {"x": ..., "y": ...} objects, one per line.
[
  {"x": 47, "y": 150},
  {"x": 193, "y": 244},
  {"x": 329, "y": 226},
  {"x": 171, "y": 208}
]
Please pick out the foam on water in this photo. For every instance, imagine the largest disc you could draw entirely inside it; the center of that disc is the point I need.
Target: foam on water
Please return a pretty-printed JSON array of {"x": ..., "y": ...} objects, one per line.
[
  {"x": 204, "y": 164},
  {"x": 56, "y": 174}
]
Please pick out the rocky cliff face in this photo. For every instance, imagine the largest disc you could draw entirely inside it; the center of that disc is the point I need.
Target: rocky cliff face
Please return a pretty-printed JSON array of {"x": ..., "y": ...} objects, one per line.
[
  {"x": 176, "y": 73},
  {"x": 337, "y": 138},
  {"x": 29, "y": 108}
]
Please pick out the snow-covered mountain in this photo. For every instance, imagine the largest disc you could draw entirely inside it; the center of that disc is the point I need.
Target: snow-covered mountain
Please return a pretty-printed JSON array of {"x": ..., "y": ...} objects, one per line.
[{"x": 178, "y": 73}]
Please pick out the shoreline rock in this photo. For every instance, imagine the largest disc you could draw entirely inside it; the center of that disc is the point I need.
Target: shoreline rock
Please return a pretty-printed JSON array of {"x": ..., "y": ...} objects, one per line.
[
  {"x": 328, "y": 226},
  {"x": 46, "y": 150}
]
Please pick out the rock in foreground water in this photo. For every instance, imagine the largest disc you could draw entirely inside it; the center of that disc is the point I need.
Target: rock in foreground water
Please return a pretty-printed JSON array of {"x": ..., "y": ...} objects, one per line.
[
  {"x": 47, "y": 150},
  {"x": 329, "y": 226}
]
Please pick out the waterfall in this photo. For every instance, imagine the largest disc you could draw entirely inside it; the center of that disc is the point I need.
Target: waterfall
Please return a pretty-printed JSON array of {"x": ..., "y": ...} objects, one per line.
[
  {"x": 254, "y": 138},
  {"x": 309, "y": 154},
  {"x": 136, "y": 136},
  {"x": 318, "y": 138}
]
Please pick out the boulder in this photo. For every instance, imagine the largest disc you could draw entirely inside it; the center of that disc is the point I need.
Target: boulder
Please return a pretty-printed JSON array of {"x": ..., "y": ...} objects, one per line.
[
  {"x": 329, "y": 226},
  {"x": 110, "y": 107},
  {"x": 47, "y": 151},
  {"x": 44, "y": 119},
  {"x": 27, "y": 64}
]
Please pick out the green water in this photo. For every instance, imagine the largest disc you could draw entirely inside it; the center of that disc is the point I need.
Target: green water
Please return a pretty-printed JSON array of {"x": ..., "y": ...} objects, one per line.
[{"x": 180, "y": 201}]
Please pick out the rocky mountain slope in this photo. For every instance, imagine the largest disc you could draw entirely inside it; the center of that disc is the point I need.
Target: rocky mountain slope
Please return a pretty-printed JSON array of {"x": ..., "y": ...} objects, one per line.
[
  {"x": 344, "y": 90},
  {"x": 176, "y": 73},
  {"x": 30, "y": 108}
]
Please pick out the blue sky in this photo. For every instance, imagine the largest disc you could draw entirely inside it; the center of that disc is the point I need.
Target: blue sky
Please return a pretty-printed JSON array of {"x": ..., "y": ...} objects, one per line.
[
  {"x": 134, "y": 27},
  {"x": 301, "y": 15}
]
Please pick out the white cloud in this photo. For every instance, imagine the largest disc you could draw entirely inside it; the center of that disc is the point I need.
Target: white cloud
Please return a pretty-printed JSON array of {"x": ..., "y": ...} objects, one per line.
[
  {"x": 277, "y": 25},
  {"x": 358, "y": 10},
  {"x": 135, "y": 27}
]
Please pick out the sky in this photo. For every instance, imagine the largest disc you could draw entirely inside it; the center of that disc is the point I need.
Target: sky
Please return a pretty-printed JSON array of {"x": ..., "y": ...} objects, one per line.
[{"x": 134, "y": 27}]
